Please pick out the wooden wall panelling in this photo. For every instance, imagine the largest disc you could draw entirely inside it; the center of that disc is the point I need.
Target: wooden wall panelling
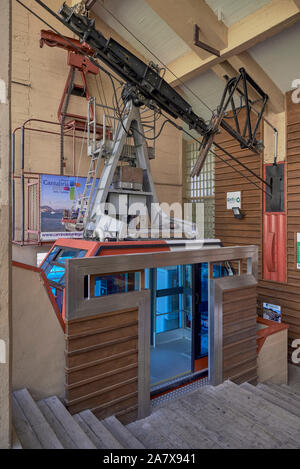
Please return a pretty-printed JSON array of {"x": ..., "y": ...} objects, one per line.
[
  {"x": 288, "y": 295},
  {"x": 249, "y": 230},
  {"x": 230, "y": 230}
]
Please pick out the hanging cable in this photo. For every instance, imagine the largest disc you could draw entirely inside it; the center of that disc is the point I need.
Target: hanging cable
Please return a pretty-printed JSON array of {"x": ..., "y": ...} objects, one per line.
[
  {"x": 225, "y": 161},
  {"x": 157, "y": 58},
  {"x": 112, "y": 78}
]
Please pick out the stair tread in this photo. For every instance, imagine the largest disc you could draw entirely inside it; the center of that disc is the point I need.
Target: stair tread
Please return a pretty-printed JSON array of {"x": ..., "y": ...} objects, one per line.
[
  {"x": 191, "y": 432},
  {"x": 294, "y": 389},
  {"x": 246, "y": 427},
  {"x": 23, "y": 428},
  {"x": 87, "y": 430},
  {"x": 277, "y": 420},
  {"x": 279, "y": 403},
  {"x": 246, "y": 422},
  {"x": 160, "y": 432},
  {"x": 284, "y": 388},
  {"x": 254, "y": 410},
  {"x": 64, "y": 425},
  {"x": 122, "y": 434},
  {"x": 282, "y": 398},
  {"x": 228, "y": 426},
  {"x": 105, "y": 437},
  {"x": 31, "y": 425},
  {"x": 149, "y": 435}
]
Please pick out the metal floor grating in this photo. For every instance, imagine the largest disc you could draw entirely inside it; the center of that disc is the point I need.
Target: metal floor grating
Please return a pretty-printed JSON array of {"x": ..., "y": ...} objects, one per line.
[{"x": 160, "y": 400}]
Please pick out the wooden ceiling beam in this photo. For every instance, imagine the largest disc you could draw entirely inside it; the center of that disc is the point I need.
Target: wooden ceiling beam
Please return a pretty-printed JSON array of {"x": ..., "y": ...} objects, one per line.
[
  {"x": 182, "y": 16},
  {"x": 223, "y": 69},
  {"x": 260, "y": 25}
]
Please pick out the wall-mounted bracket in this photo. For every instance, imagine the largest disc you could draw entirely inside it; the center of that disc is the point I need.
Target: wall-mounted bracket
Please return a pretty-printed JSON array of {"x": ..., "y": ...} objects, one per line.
[{"x": 202, "y": 44}]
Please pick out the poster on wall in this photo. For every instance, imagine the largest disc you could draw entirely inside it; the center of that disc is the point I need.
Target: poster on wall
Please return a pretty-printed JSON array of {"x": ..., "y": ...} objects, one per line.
[
  {"x": 234, "y": 199},
  {"x": 298, "y": 251},
  {"x": 272, "y": 312},
  {"x": 60, "y": 202}
]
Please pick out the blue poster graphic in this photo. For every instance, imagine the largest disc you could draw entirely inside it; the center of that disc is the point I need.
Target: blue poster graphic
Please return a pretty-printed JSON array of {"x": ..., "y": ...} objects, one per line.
[
  {"x": 60, "y": 202},
  {"x": 272, "y": 312}
]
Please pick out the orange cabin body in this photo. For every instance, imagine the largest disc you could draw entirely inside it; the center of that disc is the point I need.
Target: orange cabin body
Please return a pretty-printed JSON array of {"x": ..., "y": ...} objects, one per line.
[{"x": 53, "y": 266}]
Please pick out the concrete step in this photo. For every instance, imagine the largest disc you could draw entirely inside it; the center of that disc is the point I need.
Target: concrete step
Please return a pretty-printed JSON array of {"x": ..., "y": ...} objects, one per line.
[
  {"x": 294, "y": 389},
  {"x": 190, "y": 432},
  {"x": 212, "y": 424},
  {"x": 150, "y": 435},
  {"x": 122, "y": 434},
  {"x": 245, "y": 403},
  {"x": 65, "y": 427},
  {"x": 30, "y": 424},
  {"x": 231, "y": 428},
  {"x": 96, "y": 431},
  {"x": 161, "y": 419},
  {"x": 279, "y": 402},
  {"x": 278, "y": 421},
  {"x": 281, "y": 398},
  {"x": 263, "y": 433},
  {"x": 253, "y": 434},
  {"x": 288, "y": 390}
]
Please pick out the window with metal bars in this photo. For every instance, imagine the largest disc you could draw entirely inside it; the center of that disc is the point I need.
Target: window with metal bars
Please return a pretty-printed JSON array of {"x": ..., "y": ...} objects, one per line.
[{"x": 200, "y": 189}]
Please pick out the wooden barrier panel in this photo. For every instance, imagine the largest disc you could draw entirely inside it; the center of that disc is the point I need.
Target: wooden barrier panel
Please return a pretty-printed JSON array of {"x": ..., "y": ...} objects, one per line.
[
  {"x": 98, "y": 341},
  {"x": 107, "y": 363},
  {"x": 235, "y": 312}
]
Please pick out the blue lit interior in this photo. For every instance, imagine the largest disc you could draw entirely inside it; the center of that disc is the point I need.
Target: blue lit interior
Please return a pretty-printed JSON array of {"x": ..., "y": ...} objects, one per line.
[
  {"x": 178, "y": 337},
  {"x": 54, "y": 268},
  {"x": 121, "y": 283}
]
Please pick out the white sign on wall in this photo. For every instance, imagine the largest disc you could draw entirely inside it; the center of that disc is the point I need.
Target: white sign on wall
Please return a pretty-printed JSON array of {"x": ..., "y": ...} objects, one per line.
[{"x": 234, "y": 199}]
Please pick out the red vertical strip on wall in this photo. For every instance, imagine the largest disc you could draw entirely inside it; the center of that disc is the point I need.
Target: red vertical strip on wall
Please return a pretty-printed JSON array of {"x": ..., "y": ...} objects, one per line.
[{"x": 274, "y": 245}]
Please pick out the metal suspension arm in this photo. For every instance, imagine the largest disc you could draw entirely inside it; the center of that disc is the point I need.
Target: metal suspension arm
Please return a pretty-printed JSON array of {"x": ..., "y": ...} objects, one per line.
[
  {"x": 149, "y": 87},
  {"x": 146, "y": 86}
]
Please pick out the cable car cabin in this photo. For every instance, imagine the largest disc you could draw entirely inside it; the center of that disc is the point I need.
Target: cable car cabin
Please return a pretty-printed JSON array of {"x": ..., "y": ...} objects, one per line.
[{"x": 179, "y": 306}]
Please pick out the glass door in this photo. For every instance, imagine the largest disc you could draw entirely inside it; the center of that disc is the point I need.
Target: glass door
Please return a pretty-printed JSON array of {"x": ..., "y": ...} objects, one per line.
[
  {"x": 200, "y": 305},
  {"x": 171, "y": 345}
]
